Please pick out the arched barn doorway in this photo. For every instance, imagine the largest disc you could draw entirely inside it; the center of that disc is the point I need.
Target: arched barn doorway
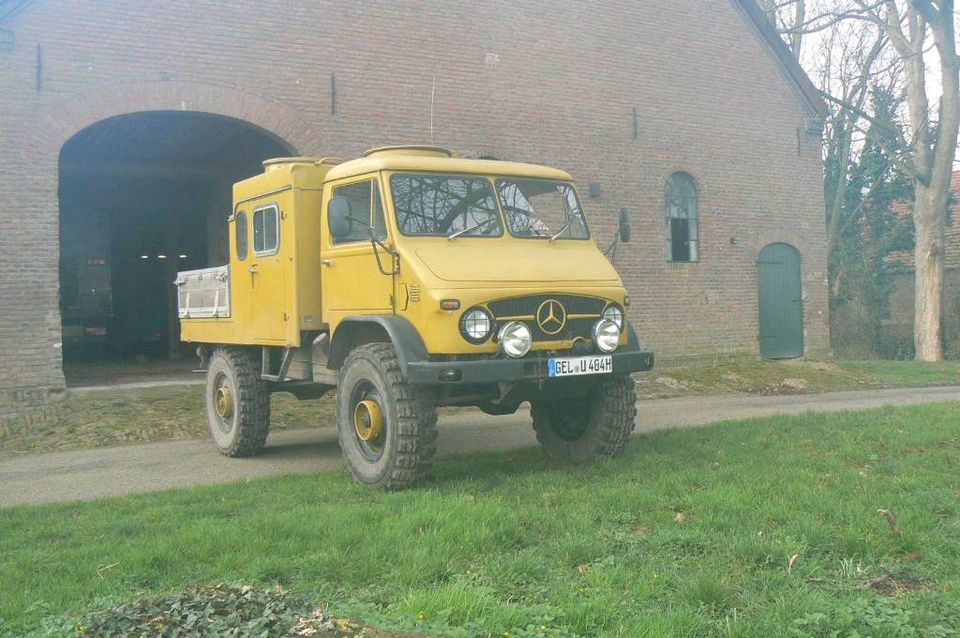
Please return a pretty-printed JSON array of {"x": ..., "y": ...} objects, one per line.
[
  {"x": 781, "y": 302},
  {"x": 142, "y": 196}
]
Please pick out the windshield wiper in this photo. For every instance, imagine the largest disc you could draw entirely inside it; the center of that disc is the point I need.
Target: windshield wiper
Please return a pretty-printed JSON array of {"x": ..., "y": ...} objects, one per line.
[
  {"x": 564, "y": 229},
  {"x": 468, "y": 229}
]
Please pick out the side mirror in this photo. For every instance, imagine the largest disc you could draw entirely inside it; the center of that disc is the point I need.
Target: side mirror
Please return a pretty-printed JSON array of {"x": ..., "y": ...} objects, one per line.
[
  {"x": 623, "y": 229},
  {"x": 338, "y": 217}
]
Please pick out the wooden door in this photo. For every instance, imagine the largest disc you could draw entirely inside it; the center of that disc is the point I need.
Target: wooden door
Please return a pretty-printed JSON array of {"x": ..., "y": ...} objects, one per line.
[{"x": 781, "y": 302}]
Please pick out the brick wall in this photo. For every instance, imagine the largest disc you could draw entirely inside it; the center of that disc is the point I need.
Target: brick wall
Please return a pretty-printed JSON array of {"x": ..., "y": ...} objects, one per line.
[
  {"x": 553, "y": 83},
  {"x": 899, "y": 327}
]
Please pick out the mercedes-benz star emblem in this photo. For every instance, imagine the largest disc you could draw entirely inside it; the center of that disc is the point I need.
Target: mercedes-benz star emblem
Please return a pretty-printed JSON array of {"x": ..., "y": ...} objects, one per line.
[{"x": 551, "y": 316}]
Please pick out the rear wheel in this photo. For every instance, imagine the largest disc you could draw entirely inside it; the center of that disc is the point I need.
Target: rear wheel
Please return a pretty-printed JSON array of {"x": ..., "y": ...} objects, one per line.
[
  {"x": 595, "y": 425},
  {"x": 387, "y": 427},
  {"x": 238, "y": 403}
]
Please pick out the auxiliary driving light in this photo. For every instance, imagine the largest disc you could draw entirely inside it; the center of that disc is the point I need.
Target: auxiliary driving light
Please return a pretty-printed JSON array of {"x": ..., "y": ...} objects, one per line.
[
  {"x": 515, "y": 339},
  {"x": 476, "y": 325},
  {"x": 614, "y": 314},
  {"x": 606, "y": 335}
]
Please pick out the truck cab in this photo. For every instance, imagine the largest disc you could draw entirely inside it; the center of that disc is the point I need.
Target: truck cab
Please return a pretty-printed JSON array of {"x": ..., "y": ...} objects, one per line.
[{"x": 409, "y": 279}]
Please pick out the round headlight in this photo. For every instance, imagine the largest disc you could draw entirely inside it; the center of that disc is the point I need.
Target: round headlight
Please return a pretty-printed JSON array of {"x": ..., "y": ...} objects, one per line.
[
  {"x": 476, "y": 325},
  {"x": 515, "y": 339},
  {"x": 614, "y": 313},
  {"x": 606, "y": 335}
]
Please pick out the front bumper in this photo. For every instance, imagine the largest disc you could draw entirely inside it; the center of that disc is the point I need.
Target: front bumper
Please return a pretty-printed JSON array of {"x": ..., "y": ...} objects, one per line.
[{"x": 496, "y": 370}]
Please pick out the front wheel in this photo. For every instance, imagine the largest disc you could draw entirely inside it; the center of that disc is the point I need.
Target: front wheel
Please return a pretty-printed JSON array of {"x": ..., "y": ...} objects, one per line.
[
  {"x": 596, "y": 425},
  {"x": 387, "y": 427}
]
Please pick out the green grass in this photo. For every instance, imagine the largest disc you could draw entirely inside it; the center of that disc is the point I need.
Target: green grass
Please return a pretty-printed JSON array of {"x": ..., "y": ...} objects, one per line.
[
  {"x": 908, "y": 373},
  {"x": 690, "y": 533}
]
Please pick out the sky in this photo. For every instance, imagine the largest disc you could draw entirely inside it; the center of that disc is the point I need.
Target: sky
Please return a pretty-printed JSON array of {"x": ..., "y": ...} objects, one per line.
[{"x": 811, "y": 52}]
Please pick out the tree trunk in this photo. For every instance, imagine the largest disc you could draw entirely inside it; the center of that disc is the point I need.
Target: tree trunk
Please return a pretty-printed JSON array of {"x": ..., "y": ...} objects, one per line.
[
  {"x": 929, "y": 217},
  {"x": 934, "y": 152},
  {"x": 796, "y": 36}
]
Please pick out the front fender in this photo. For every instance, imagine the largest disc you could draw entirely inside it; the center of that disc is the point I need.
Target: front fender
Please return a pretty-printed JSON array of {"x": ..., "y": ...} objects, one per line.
[{"x": 355, "y": 330}]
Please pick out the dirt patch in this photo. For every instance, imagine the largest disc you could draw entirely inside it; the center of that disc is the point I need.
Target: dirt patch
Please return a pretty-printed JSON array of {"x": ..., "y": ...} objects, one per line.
[
  {"x": 322, "y": 625},
  {"x": 887, "y": 585},
  {"x": 824, "y": 366},
  {"x": 733, "y": 377},
  {"x": 673, "y": 384},
  {"x": 787, "y": 386}
]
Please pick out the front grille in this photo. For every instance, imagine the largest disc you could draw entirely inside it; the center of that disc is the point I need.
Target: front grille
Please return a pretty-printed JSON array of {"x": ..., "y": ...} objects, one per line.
[
  {"x": 573, "y": 329},
  {"x": 581, "y": 314},
  {"x": 527, "y": 306}
]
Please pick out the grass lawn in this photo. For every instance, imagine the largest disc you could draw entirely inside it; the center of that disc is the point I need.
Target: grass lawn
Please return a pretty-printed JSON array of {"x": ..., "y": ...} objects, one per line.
[{"x": 759, "y": 528}]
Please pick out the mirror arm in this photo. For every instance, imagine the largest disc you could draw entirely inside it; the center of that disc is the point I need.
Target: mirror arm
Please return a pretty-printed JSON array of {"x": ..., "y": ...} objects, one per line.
[
  {"x": 376, "y": 253},
  {"x": 612, "y": 248},
  {"x": 623, "y": 228}
]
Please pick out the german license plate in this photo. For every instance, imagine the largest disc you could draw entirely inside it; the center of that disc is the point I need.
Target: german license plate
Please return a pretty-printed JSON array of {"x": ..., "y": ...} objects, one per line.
[{"x": 572, "y": 366}]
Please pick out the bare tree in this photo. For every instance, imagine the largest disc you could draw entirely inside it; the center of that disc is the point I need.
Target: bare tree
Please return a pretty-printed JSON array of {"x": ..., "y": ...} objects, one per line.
[
  {"x": 848, "y": 74},
  {"x": 859, "y": 75},
  {"x": 925, "y": 149}
]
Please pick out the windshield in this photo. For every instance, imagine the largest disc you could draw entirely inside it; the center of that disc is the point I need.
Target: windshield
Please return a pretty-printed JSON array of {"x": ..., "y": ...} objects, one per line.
[
  {"x": 451, "y": 206},
  {"x": 541, "y": 208}
]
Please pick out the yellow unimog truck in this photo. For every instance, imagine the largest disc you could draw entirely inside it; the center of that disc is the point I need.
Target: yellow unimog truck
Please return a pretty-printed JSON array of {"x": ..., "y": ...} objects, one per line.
[{"x": 406, "y": 280}]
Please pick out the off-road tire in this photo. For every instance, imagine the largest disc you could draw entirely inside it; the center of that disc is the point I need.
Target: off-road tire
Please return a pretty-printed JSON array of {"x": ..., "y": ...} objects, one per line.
[
  {"x": 410, "y": 420},
  {"x": 245, "y": 432},
  {"x": 597, "y": 425}
]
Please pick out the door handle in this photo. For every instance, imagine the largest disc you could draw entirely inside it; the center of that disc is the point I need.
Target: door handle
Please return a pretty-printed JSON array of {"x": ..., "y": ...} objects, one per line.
[
  {"x": 253, "y": 268},
  {"x": 326, "y": 262}
]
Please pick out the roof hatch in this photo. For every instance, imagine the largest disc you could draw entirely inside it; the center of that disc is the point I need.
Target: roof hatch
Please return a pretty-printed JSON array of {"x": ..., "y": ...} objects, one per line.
[
  {"x": 422, "y": 151},
  {"x": 280, "y": 162}
]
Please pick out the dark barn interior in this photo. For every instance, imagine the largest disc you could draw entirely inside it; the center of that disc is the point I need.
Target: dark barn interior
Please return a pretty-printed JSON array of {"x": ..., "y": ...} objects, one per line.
[{"x": 142, "y": 196}]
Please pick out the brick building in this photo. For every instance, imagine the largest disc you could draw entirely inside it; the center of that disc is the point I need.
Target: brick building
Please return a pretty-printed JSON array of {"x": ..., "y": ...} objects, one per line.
[{"x": 134, "y": 118}]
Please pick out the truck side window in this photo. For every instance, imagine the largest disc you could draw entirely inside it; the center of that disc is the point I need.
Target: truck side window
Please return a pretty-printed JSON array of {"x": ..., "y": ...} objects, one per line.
[
  {"x": 241, "y": 230},
  {"x": 360, "y": 196},
  {"x": 266, "y": 230}
]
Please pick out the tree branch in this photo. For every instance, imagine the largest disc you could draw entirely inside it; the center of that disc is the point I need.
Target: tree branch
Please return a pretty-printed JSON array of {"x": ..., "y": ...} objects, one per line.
[{"x": 895, "y": 151}]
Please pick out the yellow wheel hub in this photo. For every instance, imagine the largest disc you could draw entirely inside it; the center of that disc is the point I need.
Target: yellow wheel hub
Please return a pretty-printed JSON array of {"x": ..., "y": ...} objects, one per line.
[
  {"x": 224, "y": 402},
  {"x": 368, "y": 420}
]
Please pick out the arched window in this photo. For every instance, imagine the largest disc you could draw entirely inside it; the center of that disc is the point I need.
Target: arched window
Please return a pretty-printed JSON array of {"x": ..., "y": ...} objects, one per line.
[{"x": 683, "y": 218}]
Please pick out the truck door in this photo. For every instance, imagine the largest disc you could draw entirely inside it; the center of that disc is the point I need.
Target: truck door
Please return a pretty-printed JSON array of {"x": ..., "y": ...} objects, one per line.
[
  {"x": 267, "y": 276},
  {"x": 352, "y": 282}
]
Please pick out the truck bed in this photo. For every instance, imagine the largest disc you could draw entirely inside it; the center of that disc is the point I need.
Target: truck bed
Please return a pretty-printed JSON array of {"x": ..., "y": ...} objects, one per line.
[{"x": 203, "y": 293}]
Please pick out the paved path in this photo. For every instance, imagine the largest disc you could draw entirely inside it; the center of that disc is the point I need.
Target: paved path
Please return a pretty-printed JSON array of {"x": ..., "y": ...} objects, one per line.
[
  {"x": 90, "y": 474},
  {"x": 197, "y": 380}
]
